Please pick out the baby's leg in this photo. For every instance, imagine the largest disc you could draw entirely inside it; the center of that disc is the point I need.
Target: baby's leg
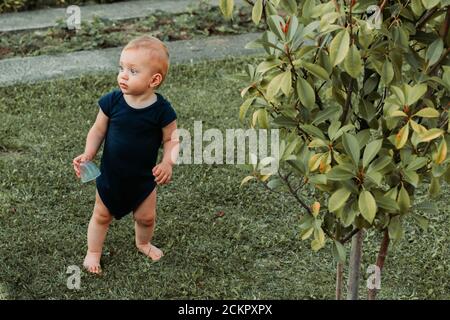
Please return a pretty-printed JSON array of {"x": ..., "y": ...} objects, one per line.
[
  {"x": 145, "y": 216},
  {"x": 98, "y": 227}
]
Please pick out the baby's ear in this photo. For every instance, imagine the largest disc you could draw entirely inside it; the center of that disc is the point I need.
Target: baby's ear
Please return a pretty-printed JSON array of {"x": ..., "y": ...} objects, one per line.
[{"x": 156, "y": 80}]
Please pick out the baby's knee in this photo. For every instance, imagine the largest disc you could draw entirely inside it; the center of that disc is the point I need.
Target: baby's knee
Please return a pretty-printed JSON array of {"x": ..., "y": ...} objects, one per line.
[
  {"x": 102, "y": 217},
  {"x": 147, "y": 221}
]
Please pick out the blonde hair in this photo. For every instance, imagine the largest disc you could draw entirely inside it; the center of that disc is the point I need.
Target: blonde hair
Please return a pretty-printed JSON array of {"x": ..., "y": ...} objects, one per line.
[{"x": 157, "y": 52}]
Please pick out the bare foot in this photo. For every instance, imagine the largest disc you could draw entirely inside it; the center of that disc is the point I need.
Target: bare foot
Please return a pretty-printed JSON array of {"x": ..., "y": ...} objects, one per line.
[
  {"x": 92, "y": 262},
  {"x": 151, "y": 251}
]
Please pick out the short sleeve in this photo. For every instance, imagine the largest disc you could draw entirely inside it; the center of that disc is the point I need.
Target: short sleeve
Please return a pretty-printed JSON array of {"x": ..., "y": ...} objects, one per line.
[
  {"x": 106, "y": 103},
  {"x": 168, "y": 115}
]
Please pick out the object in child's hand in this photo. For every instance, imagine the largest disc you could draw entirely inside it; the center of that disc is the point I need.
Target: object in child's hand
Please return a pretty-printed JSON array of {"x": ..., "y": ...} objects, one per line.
[{"x": 88, "y": 171}]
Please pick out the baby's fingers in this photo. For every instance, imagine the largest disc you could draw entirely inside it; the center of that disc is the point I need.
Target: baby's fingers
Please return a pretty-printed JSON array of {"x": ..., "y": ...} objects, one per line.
[{"x": 156, "y": 171}]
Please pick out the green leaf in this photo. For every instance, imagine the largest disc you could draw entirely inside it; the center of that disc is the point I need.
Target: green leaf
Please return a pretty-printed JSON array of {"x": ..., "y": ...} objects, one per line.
[
  {"x": 422, "y": 221},
  {"x": 274, "y": 85},
  {"x": 339, "y": 47},
  {"x": 257, "y": 11},
  {"x": 427, "y": 113},
  {"x": 353, "y": 63},
  {"x": 374, "y": 177},
  {"x": 417, "y": 8},
  {"x": 348, "y": 215},
  {"x": 371, "y": 151},
  {"x": 403, "y": 200},
  {"x": 286, "y": 82},
  {"x": 351, "y": 147},
  {"x": 244, "y": 107},
  {"x": 434, "y": 51},
  {"x": 340, "y": 173},
  {"x": 435, "y": 187},
  {"x": 395, "y": 228},
  {"x": 226, "y": 6},
  {"x": 446, "y": 76},
  {"x": 305, "y": 93},
  {"x": 326, "y": 114},
  {"x": 387, "y": 73},
  {"x": 247, "y": 179},
  {"x": 305, "y": 234},
  {"x": 316, "y": 245},
  {"x": 430, "y": 135},
  {"x": 291, "y": 6},
  {"x": 428, "y": 4},
  {"x": 307, "y": 8},
  {"x": 399, "y": 93},
  {"x": 339, "y": 251},
  {"x": 316, "y": 70},
  {"x": 387, "y": 204},
  {"x": 402, "y": 136},
  {"x": 417, "y": 163},
  {"x": 313, "y": 131},
  {"x": 338, "y": 199},
  {"x": 367, "y": 205},
  {"x": 263, "y": 119},
  {"x": 275, "y": 183},
  {"x": 379, "y": 164},
  {"x": 319, "y": 234},
  {"x": 317, "y": 143},
  {"x": 275, "y": 23},
  {"x": 318, "y": 179},
  {"x": 285, "y": 121},
  {"x": 411, "y": 177},
  {"x": 265, "y": 66},
  {"x": 413, "y": 94}
]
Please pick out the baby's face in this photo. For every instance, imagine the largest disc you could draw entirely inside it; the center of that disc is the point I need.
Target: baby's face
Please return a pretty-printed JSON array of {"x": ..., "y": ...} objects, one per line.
[{"x": 135, "y": 72}]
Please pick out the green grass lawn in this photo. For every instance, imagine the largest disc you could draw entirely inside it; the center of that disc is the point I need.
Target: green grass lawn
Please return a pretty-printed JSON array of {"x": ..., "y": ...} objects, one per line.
[{"x": 252, "y": 252}]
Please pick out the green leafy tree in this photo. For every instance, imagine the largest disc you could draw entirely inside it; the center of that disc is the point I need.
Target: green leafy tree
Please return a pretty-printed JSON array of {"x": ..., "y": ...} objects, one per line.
[{"x": 359, "y": 91}]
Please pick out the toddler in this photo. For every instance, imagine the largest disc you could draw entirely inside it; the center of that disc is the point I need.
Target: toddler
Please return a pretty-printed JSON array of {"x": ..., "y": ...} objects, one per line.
[{"x": 133, "y": 121}]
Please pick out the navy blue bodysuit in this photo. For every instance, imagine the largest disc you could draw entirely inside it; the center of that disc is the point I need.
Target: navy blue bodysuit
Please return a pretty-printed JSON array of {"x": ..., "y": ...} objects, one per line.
[{"x": 132, "y": 141}]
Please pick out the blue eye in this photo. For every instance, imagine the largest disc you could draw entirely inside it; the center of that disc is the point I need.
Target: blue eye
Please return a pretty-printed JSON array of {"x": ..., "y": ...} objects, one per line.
[
  {"x": 133, "y": 72},
  {"x": 120, "y": 68}
]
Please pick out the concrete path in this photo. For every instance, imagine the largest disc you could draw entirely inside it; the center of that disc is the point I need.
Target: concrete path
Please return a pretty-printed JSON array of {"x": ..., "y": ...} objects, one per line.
[
  {"x": 33, "y": 69},
  {"x": 45, "y": 18}
]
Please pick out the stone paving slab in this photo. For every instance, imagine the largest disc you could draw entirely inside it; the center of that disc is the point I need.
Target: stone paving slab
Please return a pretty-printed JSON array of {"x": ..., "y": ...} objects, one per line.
[
  {"x": 33, "y": 69},
  {"x": 46, "y": 18}
]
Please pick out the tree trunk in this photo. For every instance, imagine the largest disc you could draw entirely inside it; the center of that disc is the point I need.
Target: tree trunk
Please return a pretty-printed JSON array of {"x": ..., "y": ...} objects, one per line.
[
  {"x": 355, "y": 266},
  {"x": 380, "y": 262},
  {"x": 339, "y": 278}
]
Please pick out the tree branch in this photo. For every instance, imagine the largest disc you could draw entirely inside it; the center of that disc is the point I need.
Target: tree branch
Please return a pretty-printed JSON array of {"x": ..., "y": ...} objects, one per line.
[
  {"x": 336, "y": 5},
  {"x": 350, "y": 235},
  {"x": 291, "y": 190},
  {"x": 427, "y": 16},
  {"x": 382, "y": 5},
  {"x": 444, "y": 30},
  {"x": 348, "y": 101}
]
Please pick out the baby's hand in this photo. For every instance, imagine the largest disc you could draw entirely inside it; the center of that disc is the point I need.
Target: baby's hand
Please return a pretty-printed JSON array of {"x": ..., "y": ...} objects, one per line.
[
  {"x": 77, "y": 161},
  {"x": 162, "y": 173}
]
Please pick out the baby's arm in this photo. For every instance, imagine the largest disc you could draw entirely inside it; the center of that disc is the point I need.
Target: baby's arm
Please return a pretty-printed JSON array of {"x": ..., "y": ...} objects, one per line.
[
  {"x": 163, "y": 171},
  {"x": 93, "y": 141}
]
